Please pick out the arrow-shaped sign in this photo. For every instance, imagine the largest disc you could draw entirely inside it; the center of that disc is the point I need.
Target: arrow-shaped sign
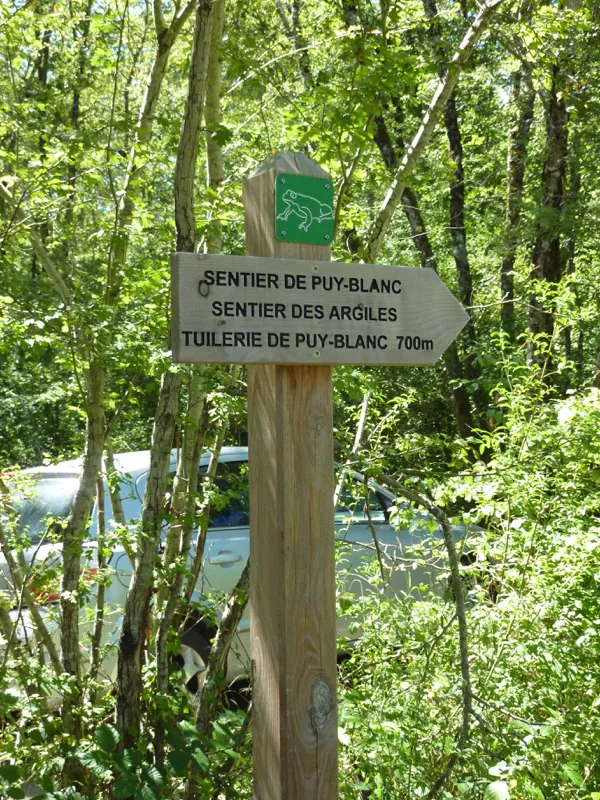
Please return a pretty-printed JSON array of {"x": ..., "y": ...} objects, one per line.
[{"x": 246, "y": 310}]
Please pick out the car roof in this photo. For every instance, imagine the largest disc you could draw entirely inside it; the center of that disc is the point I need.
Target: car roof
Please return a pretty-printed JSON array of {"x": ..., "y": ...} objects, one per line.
[{"x": 138, "y": 461}]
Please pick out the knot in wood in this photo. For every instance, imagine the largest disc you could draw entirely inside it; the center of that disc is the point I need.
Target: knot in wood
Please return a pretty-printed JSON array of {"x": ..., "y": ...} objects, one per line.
[{"x": 321, "y": 704}]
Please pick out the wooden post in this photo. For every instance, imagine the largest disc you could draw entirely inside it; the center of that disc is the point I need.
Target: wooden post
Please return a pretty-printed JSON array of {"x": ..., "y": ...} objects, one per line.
[{"x": 292, "y": 572}]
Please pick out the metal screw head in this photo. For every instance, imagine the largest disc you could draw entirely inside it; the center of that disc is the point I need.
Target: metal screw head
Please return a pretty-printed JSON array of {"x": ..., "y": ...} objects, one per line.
[
  {"x": 317, "y": 353},
  {"x": 283, "y": 180},
  {"x": 327, "y": 236},
  {"x": 328, "y": 186},
  {"x": 315, "y": 268},
  {"x": 283, "y": 233}
]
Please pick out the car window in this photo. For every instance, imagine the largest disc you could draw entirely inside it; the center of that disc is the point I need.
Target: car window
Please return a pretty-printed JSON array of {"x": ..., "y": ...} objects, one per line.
[
  {"x": 229, "y": 507},
  {"x": 353, "y": 503},
  {"x": 49, "y": 502}
]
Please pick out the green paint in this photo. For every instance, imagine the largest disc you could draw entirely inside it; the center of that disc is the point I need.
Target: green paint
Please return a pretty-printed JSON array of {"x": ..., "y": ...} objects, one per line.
[{"x": 303, "y": 209}]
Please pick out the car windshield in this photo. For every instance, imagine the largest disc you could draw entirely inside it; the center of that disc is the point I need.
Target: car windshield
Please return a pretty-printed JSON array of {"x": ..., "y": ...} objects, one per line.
[{"x": 49, "y": 501}]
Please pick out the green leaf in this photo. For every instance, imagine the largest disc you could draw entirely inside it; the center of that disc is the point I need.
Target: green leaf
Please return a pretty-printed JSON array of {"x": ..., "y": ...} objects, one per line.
[
  {"x": 126, "y": 785},
  {"x": 151, "y": 775},
  {"x": 498, "y": 790},
  {"x": 178, "y": 761},
  {"x": 10, "y": 773},
  {"x": 15, "y": 793},
  {"x": 146, "y": 793},
  {"x": 72, "y": 794},
  {"x": 571, "y": 770},
  {"x": 107, "y": 737},
  {"x": 200, "y": 760},
  {"x": 222, "y": 135},
  {"x": 189, "y": 730},
  {"x": 8, "y": 700},
  {"x": 95, "y": 760}
]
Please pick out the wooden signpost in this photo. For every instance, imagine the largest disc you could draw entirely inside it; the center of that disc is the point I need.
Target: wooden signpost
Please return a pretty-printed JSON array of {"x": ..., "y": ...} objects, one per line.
[
  {"x": 289, "y": 314},
  {"x": 240, "y": 309}
]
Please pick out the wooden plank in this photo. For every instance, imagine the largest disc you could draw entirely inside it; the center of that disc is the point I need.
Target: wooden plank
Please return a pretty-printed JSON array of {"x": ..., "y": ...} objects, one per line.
[
  {"x": 292, "y": 592},
  {"x": 240, "y": 309}
]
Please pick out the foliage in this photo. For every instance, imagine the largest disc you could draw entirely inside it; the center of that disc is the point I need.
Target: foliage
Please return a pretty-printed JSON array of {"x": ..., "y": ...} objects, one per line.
[{"x": 328, "y": 79}]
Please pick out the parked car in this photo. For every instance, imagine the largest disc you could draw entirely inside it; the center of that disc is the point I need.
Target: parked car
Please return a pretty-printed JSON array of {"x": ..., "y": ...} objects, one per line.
[{"x": 226, "y": 552}]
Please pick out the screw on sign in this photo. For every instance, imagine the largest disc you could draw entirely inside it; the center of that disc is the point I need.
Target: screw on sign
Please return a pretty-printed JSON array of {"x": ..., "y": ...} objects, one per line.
[{"x": 280, "y": 309}]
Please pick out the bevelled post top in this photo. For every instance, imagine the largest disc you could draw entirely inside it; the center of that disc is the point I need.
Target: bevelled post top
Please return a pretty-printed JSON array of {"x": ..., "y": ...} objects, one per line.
[{"x": 287, "y": 161}]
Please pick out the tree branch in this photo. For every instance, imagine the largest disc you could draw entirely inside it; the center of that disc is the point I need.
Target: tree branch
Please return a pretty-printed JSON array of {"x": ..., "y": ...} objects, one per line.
[
  {"x": 41, "y": 252},
  {"x": 187, "y": 151},
  {"x": 160, "y": 25},
  {"x": 457, "y": 590},
  {"x": 436, "y": 107}
]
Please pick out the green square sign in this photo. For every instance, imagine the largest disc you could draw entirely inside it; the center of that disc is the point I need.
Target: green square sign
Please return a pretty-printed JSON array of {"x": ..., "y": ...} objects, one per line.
[{"x": 303, "y": 209}]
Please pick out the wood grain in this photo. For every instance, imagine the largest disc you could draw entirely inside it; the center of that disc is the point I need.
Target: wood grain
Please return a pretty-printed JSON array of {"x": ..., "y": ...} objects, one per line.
[
  {"x": 292, "y": 592},
  {"x": 328, "y": 313}
]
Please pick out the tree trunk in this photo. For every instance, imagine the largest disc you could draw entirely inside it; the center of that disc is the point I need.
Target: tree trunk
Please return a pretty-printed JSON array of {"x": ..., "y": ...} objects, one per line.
[
  {"x": 179, "y": 536},
  {"x": 546, "y": 253},
  {"x": 81, "y": 45},
  {"x": 290, "y": 22},
  {"x": 420, "y": 238},
  {"x": 458, "y": 232},
  {"x": 596, "y": 381},
  {"x": 138, "y": 598},
  {"x": 428, "y": 124},
  {"x": 523, "y": 98},
  {"x": 214, "y": 683},
  {"x": 72, "y": 543},
  {"x": 166, "y": 37},
  {"x": 137, "y": 604},
  {"x": 570, "y": 247},
  {"x": 212, "y": 118},
  {"x": 100, "y": 591},
  {"x": 187, "y": 151},
  {"x": 20, "y": 578}
]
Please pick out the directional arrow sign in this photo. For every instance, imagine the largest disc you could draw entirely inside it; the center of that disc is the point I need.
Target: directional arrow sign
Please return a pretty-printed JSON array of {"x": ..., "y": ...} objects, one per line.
[{"x": 239, "y": 309}]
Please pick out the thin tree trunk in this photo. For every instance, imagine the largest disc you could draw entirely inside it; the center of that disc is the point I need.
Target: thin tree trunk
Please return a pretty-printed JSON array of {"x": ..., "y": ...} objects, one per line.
[
  {"x": 81, "y": 44},
  {"x": 546, "y": 253},
  {"x": 187, "y": 151},
  {"x": 166, "y": 37},
  {"x": 113, "y": 479},
  {"x": 185, "y": 484},
  {"x": 524, "y": 99},
  {"x": 114, "y": 492},
  {"x": 572, "y": 201},
  {"x": 463, "y": 638},
  {"x": 360, "y": 430},
  {"x": 211, "y": 698},
  {"x": 289, "y": 14},
  {"x": 138, "y": 598},
  {"x": 23, "y": 592},
  {"x": 42, "y": 64},
  {"x": 137, "y": 604},
  {"x": 179, "y": 536},
  {"x": 420, "y": 238},
  {"x": 458, "y": 232},
  {"x": 212, "y": 118},
  {"x": 428, "y": 124},
  {"x": 72, "y": 542},
  {"x": 101, "y": 562},
  {"x": 208, "y": 479}
]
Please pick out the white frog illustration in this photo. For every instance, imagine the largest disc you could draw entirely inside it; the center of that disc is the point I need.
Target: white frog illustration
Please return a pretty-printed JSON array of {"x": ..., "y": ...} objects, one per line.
[{"x": 308, "y": 208}]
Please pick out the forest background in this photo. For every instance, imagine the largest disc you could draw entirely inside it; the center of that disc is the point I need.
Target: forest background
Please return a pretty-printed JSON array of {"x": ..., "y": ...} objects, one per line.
[{"x": 126, "y": 130}]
